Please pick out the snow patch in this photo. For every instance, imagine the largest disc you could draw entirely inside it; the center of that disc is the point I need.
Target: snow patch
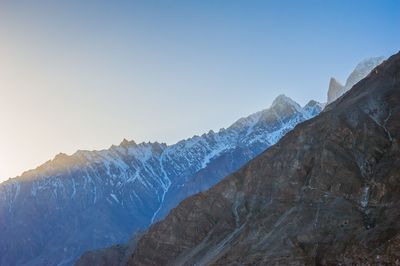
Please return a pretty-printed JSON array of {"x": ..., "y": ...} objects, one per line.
[
  {"x": 365, "y": 197},
  {"x": 115, "y": 198}
]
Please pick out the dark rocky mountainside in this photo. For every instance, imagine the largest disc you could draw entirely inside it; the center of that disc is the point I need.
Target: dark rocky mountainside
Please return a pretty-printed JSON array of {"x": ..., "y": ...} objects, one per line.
[
  {"x": 111, "y": 256},
  {"x": 327, "y": 193}
]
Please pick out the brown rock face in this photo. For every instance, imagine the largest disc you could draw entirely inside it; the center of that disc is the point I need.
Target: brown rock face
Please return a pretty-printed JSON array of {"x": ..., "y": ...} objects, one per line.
[
  {"x": 104, "y": 257},
  {"x": 112, "y": 256},
  {"x": 327, "y": 193}
]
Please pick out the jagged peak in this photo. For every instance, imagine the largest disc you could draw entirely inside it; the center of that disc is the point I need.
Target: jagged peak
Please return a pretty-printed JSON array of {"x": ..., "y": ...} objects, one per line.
[
  {"x": 285, "y": 101},
  {"x": 313, "y": 103},
  {"x": 335, "y": 89},
  {"x": 282, "y": 105},
  {"x": 127, "y": 143},
  {"x": 61, "y": 155},
  {"x": 312, "y": 108},
  {"x": 334, "y": 82}
]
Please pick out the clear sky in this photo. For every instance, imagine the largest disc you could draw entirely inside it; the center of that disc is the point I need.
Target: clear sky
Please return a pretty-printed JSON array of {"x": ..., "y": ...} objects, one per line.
[{"x": 86, "y": 74}]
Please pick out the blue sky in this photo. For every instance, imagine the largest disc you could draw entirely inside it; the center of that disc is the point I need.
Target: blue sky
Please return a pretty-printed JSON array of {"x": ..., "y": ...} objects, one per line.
[{"x": 86, "y": 74}]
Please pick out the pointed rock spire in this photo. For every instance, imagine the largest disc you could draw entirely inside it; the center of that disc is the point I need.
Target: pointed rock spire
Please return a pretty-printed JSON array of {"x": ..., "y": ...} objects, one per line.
[
  {"x": 126, "y": 143},
  {"x": 335, "y": 90}
]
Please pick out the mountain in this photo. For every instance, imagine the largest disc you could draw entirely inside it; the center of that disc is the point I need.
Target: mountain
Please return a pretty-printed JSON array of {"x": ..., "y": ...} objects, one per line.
[
  {"x": 94, "y": 199},
  {"x": 328, "y": 193},
  {"x": 336, "y": 89}
]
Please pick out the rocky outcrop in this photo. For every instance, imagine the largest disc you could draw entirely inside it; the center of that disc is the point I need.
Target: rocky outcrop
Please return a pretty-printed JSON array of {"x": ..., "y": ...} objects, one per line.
[
  {"x": 112, "y": 256},
  {"x": 336, "y": 89},
  {"x": 94, "y": 199},
  {"x": 328, "y": 193}
]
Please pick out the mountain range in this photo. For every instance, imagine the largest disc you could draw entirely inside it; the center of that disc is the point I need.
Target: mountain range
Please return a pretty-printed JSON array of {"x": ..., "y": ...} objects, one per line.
[
  {"x": 94, "y": 199},
  {"x": 328, "y": 193}
]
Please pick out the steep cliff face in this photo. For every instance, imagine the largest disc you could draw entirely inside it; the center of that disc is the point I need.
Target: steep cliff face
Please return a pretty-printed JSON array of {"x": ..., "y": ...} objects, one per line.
[
  {"x": 327, "y": 193},
  {"x": 336, "y": 89},
  {"x": 94, "y": 199}
]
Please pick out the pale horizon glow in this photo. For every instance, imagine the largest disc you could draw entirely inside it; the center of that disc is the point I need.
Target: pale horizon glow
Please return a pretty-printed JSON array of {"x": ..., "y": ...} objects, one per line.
[{"x": 83, "y": 75}]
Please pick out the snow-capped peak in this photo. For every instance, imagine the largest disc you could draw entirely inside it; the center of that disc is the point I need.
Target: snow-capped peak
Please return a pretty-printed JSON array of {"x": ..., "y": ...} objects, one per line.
[
  {"x": 282, "y": 101},
  {"x": 370, "y": 62},
  {"x": 312, "y": 108},
  {"x": 126, "y": 143},
  {"x": 313, "y": 103},
  {"x": 362, "y": 69}
]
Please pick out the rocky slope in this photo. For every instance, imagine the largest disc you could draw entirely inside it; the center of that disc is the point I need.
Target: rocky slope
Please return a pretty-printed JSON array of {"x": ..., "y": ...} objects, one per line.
[
  {"x": 328, "y": 193},
  {"x": 94, "y": 199},
  {"x": 336, "y": 89}
]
